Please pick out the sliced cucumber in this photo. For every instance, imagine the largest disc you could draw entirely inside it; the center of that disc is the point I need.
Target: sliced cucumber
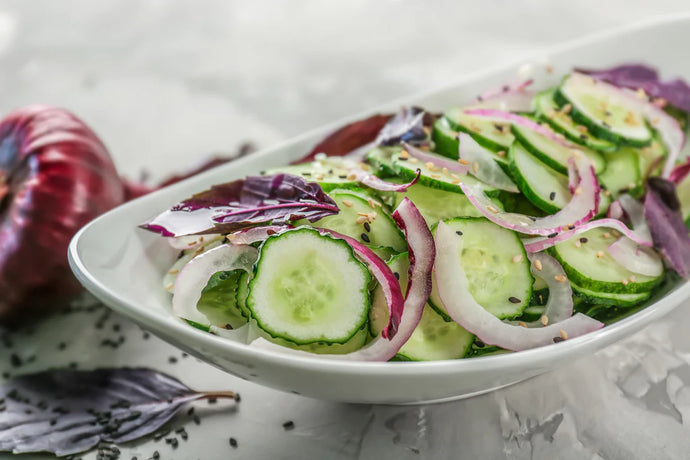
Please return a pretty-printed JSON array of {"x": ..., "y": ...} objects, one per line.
[
  {"x": 380, "y": 158},
  {"x": 445, "y": 139},
  {"x": 603, "y": 110},
  {"x": 533, "y": 313},
  {"x": 378, "y": 230},
  {"x": 683, "y": 191},
  {"x": 622, "y": 171},
  {"x": 435, "y": 339},
  {"x": 309, "y": 288},
  {"x": 328, "y": 177},
  {"x": 591, "y": 267},
  {"x": 432, "y": 175},
  {"x": 610, "y": 298},
  {"x": 496, "y": 266},
  {"x": 218, "y": 300},
  {"x": 494, "y": 135},
  {"x": 356, "y": 342},
  {"x": 651, "y": 157},
  {"x": 561, "y": 122},
  {"x": 541, "y": 185},
  {"x": 552, "y": 153},
  {"x": 242, "y": 293},
  {"x": 435, "y": 204}
]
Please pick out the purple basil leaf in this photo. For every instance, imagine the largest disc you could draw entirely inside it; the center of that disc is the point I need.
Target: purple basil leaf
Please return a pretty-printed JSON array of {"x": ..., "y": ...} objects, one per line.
[
  {"x": 669, "y": 233},
  {"x": 635, "y": 76},
  {"x": 68, "y": 411},
  {"x": 406, "y": 126},
  {"x": 276, "y": 199}
]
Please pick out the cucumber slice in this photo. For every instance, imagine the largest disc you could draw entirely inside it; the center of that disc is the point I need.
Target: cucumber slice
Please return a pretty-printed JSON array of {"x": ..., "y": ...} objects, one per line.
[
  {"x": 218, "y": 300},
  {"x": 494, "y": 135},
  {"x": 445, "y": 139},
  {"x": 378, "y": 231},
  {"x": 503, "y": 287},
  {"x": 622, "y": 171},
  {"x": 552, "y": 153},
  {"x": 683, "y": 191},
  {"x": 435, "y": 204},
  {"x": 432, "y": 175},
  {"x": 328, "y": 177},
  {"x": 561, "y": 122},
  {"x": 610, "y": 298},
  {"x": 435, "y": 339},
  {"x": 242, "y": 293},
  {"x": 651, "y": 157},
  {"x": 591, "y": 267},
  {"x": 356, "y": 342},
  {"x": 603, "y": 110},
  {"x": 309, "y": 288},
  {"x": 532, "y": 313},
  {"x": 380, "y": 158},
  {"x": 541, "y": 185}
]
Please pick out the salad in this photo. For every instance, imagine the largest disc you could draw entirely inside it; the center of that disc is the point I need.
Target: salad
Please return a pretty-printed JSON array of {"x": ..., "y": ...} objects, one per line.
[{"x": 520, "y": 219}]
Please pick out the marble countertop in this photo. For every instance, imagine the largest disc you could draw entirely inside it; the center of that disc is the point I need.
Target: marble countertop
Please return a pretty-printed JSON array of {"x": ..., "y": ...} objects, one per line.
[{"x": 167, "y": 82}]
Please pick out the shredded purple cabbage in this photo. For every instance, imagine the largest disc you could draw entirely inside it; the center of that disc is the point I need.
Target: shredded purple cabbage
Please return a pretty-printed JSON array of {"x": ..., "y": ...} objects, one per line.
[
  {"x": 257, "y": 200},
  {"x": 636, "y": 76},
  {"x": 669, "y": 233}
]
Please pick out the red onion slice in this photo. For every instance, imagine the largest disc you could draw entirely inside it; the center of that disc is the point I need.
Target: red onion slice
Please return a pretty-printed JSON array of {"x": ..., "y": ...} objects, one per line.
[
  {"x": 635, "y": 211},
  {"x": 680, "y": 172},
  {"x": 194, "y": 276},
  {"x": 454, "y": 291},
  {"x": 374, "y": 182},
  {"x": 191, "y": 241},
  {"x": 559, "y": 307},
  {"x": 451, "y": 165},
  {"x": 539, "y": 244},
  {"x": 421, "y": 250},
  {"x": 483, "y": 166},
  {"x": 581, "y": 208},
  {"x": 636, "y": 258},
  {"x": 254, "y": 234},
  {"x": 509, "y": 98}
]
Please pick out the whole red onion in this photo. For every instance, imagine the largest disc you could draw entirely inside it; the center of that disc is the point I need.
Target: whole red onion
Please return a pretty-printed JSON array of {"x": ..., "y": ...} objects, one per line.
[{"x": 55, "y": 176}]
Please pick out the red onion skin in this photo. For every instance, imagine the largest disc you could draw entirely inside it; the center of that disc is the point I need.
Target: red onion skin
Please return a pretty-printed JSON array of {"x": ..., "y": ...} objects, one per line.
[{"x": 59, "y": 176}]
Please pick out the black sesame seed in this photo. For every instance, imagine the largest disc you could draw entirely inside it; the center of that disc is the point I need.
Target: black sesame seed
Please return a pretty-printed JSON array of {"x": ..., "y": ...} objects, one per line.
[
  {"x": 458, "y": 232},
  {"x": 479, "y": 344},
  {"x": 212, "y": 400},
  {"x": 583, "y": 137},
  {"x": 15, "y": 360},
  {"x": 558, "y": 339},
  {"x": 397, "y": 275},
  {"x": 365, "y": 238},
  {"x": 367, "y": 227},
  {"x": 552, "y": 235},
  {"x": 197, "y": 420},
  {"x": 172, "y": 360},
  {"x": 146, "y": 336},
  {"x": 289, "y": 425},
  {"x": 552, "y": 196},
  {"x": 514, "y": 299},
  {"x": 583, "y": 240},
  {"x": 233, "y": 443},
  {"x": 402, "y": 159},
  {"x": 190, "y": 411},
  {"x": 62, "y": 346},
  {"x": 237, "y": 397},
  {"x": 342, "y": 176},
  {"x": 306, "y": 173},
  {"x": 156, "y": 455}
]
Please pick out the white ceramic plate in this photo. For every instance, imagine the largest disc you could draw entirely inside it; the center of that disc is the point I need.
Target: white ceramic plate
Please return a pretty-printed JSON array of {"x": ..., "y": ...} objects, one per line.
[{"x": 123, "y": 265}]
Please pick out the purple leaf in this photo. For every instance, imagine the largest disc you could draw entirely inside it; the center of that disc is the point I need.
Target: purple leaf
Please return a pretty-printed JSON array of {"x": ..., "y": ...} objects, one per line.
[
  {"x": 636, "y": 76},
  {"x": 669, "y": 233},
  {"x": 67, "y": 411},
  {"x": 257, "y": 200},
  {"x": 408, "y": 125}
]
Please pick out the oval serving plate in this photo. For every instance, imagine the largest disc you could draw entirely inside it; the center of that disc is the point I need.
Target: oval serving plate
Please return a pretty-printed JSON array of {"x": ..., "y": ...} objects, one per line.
[{"x": 123, "y": 265}]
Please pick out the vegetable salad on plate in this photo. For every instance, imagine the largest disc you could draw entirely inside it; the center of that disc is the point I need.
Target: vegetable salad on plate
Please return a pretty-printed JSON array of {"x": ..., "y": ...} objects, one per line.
[{"x": 523, "y": 218}]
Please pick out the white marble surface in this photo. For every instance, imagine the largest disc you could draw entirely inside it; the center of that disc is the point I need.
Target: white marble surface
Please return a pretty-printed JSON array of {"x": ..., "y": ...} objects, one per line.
[{"x": 165, "y": 82}]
